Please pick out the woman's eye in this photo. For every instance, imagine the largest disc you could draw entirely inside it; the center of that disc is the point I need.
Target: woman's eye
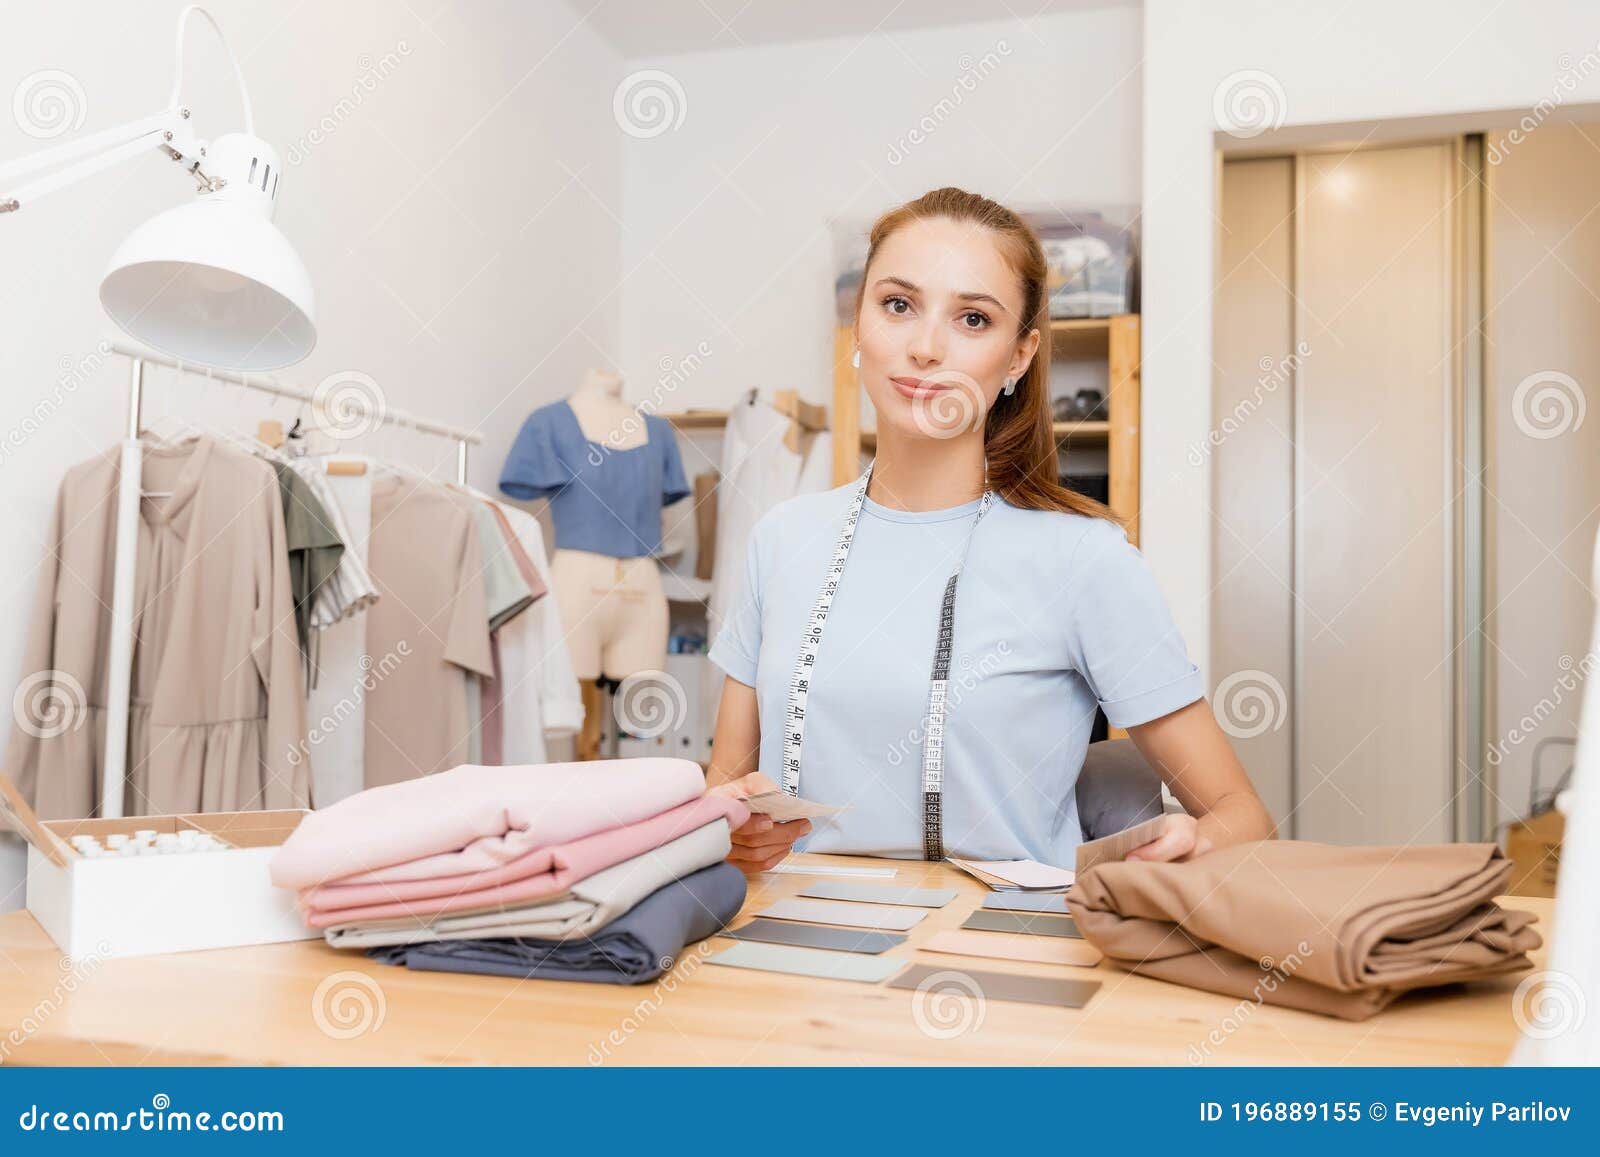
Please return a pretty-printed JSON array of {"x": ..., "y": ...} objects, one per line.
[
  {"x": 982, "y": 321},
  {"x": 889, "y": 303}
]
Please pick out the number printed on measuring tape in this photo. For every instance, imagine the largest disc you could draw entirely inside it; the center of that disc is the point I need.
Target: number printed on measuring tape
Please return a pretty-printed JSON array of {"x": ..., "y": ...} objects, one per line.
[{"x": 944, "y": 642}]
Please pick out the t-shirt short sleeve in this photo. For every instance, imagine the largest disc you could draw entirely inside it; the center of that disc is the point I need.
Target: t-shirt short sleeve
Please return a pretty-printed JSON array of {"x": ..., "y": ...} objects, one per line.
[
  {"x": 533, "y": 468},
  {"x": 673, "y": 484},
  {"x": 738, "y": 640},
  {"x": 1122, "y": 637}
]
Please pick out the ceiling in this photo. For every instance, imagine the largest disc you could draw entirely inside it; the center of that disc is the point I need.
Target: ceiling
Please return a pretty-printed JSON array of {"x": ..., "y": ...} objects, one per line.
[{"x": 642, "y": 28}]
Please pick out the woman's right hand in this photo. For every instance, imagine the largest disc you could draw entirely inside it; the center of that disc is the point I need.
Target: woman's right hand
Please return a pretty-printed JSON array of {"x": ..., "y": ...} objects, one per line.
[{"x": 759, "y": 843}]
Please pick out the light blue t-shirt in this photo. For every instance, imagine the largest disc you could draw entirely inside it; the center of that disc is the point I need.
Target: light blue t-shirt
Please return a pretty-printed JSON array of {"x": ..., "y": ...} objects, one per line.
[{"x": 1054, "y": 613}]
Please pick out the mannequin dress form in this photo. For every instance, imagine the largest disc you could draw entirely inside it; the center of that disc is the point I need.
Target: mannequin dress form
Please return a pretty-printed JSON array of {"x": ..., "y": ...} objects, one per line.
[{"x": 607, "y": 470}]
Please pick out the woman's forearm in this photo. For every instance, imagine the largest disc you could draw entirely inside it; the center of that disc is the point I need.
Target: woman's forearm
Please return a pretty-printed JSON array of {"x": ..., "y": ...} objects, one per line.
[
  {"x": 1235, "y": 819},
  {"x": 736, "y": 743}
]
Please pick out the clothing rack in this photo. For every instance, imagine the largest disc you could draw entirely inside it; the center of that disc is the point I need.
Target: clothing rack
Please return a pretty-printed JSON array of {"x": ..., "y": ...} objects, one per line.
[{"x": 119, "y": 688}]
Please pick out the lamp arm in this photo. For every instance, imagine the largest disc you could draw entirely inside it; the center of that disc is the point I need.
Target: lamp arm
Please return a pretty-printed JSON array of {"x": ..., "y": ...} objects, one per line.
[
  {"x": 238, "y": 73},
  {"x": 168, "y": 129},
  {"x": 77, "y": 159}
]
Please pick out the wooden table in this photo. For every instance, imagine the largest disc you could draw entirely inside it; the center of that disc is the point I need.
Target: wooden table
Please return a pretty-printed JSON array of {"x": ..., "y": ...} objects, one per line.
[{"x": 263, "y": 1005}]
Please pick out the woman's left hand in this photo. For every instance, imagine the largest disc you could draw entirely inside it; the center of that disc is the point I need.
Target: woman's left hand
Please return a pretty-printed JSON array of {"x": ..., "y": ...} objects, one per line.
[{"x": 1180, "y": 839}]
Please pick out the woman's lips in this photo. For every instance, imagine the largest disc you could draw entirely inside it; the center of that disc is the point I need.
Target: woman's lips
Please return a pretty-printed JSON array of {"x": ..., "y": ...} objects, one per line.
[{"x": 918, "y": 387}]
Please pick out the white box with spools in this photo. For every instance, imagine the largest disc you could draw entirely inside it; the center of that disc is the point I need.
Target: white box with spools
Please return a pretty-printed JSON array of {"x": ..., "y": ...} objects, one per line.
[{"x": 141, "y": 905}]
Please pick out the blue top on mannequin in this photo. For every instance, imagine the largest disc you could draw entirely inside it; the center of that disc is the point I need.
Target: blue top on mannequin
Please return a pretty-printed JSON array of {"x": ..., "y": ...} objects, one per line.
[{"x": 603, "y": 499}]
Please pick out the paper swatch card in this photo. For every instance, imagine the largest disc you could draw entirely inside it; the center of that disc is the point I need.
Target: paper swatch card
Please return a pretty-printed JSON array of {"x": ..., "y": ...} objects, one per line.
[
  {"x": 1116, "y": 847},
  {"x": 816, "y": 936},
  {"x": 1011, "y": 946},
  {"x": 1007, "y": 986},
  {"x": 817, "y": 962},
  {"x": 1012, "y": 874},
  {"x": 1026, "y": 902},
  {"x": 870, "y": 894},
  {"x": 783, "y": 807},
  {"x": 878, "y": 916},
  {"x": 834, "y": 870},
  {"x": 1028, "y": 923}
]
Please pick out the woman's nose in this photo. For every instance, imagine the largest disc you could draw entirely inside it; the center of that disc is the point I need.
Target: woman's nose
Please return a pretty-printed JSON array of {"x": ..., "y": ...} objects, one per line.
[{"x": 927, "y": 342}]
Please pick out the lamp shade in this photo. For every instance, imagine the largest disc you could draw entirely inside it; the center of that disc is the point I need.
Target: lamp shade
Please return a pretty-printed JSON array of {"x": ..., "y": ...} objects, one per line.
[{"x": 213, "y": 281}]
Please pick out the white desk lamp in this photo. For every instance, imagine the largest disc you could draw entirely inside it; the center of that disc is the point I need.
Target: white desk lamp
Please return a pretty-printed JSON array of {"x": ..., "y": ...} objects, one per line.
[{"x": 212, "y": 281}]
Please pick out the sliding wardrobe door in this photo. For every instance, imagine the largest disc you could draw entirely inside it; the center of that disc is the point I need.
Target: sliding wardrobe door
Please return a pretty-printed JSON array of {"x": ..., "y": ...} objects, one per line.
[
  {"x": 1373, "y": 494},
  {"x": 1252, "y": 457}
]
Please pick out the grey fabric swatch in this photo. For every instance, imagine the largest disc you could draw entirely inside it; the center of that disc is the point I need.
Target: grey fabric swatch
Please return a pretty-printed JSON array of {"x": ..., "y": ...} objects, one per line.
[
  {"x": 1000, "y": 985},
  {"x": 1026, "y": 902},
  {"x": 816, "y": 936},
  {"x": 1028, "y": 922},
  {"x": 817, "y": 962}
]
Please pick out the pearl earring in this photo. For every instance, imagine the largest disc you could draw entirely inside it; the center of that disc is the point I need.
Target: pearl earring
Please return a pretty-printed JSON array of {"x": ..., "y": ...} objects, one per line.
[
  {"x": 855, "y": 359},
  {"x": 1011, "y": 385}
]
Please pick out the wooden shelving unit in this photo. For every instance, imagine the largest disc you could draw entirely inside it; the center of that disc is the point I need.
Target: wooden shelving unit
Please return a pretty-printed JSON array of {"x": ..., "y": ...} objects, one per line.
[{"x": 1116, "y": 339}]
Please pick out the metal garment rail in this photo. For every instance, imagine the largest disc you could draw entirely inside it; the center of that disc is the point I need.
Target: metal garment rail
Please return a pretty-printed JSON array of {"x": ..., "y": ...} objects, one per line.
[{"x": 119, "y": 680}]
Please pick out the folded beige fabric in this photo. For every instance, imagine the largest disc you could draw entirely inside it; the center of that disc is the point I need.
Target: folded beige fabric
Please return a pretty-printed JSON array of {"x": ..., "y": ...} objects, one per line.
[{"x": 1337, "y": 930}]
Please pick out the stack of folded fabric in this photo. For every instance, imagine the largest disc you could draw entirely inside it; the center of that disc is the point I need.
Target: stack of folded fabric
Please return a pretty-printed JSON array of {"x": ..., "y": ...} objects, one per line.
[
  {"x": 600, "y": 870},
  {"x": 1337, "y": 930}
]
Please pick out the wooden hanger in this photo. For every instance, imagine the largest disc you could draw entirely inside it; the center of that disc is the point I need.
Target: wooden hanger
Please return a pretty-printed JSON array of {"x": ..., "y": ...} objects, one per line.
[{"x": 804, "y": 417}]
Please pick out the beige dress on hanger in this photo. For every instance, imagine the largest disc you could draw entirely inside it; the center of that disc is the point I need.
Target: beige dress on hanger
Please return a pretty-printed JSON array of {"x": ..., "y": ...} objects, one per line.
[
  {"x": 217, "y": 713},
  {"x": 428, "y": 633}
]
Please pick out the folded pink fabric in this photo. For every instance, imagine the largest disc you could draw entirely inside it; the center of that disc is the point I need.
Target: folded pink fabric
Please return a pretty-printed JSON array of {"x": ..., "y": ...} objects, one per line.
[
  {"x": 539, "y": 873},
  {"x": 473, "y": 818}
]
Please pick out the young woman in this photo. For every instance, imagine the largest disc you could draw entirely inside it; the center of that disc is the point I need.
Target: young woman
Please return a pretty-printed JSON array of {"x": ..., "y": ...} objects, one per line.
[{"x": 927, "y": 646}]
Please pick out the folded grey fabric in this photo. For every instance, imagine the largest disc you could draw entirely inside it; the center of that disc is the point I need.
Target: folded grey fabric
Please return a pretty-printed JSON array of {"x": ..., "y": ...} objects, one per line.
[
  {"x": 638, "y": 946},
  {"x": 588, "y": 905}
]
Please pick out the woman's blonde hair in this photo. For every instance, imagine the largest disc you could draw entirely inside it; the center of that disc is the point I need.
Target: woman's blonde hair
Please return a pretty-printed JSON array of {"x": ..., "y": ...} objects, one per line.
[{"x": 1018, "y": 441}]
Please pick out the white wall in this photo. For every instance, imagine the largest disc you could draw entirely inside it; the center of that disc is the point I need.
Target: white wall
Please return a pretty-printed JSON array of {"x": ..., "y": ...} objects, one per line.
[
  {"x": 727, "y": 240},
  {"x": 459, "y": 218},
  {"x": 1355, "y": 61}
]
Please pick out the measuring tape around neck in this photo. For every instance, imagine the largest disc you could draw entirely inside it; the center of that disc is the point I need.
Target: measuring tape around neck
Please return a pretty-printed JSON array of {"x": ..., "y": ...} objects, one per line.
[{"x": 794, "y": 721}]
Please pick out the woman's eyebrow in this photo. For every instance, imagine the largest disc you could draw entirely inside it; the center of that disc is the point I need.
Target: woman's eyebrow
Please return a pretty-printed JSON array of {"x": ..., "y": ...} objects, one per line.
[{"x": 969, "y": 296}]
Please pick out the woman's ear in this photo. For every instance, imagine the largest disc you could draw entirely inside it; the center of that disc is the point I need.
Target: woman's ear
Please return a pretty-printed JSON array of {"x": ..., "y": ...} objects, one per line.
[{"x": 1026, "y": 348}]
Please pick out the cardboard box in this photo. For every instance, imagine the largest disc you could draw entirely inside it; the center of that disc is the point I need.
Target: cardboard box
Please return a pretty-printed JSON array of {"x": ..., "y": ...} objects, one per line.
[
  {"x": 110, "y": 906},
  {"x": 1534, "y": 849}
]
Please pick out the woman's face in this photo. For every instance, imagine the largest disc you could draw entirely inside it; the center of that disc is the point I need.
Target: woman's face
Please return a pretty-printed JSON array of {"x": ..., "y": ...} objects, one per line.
[{"x": 938, "y": 328}]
